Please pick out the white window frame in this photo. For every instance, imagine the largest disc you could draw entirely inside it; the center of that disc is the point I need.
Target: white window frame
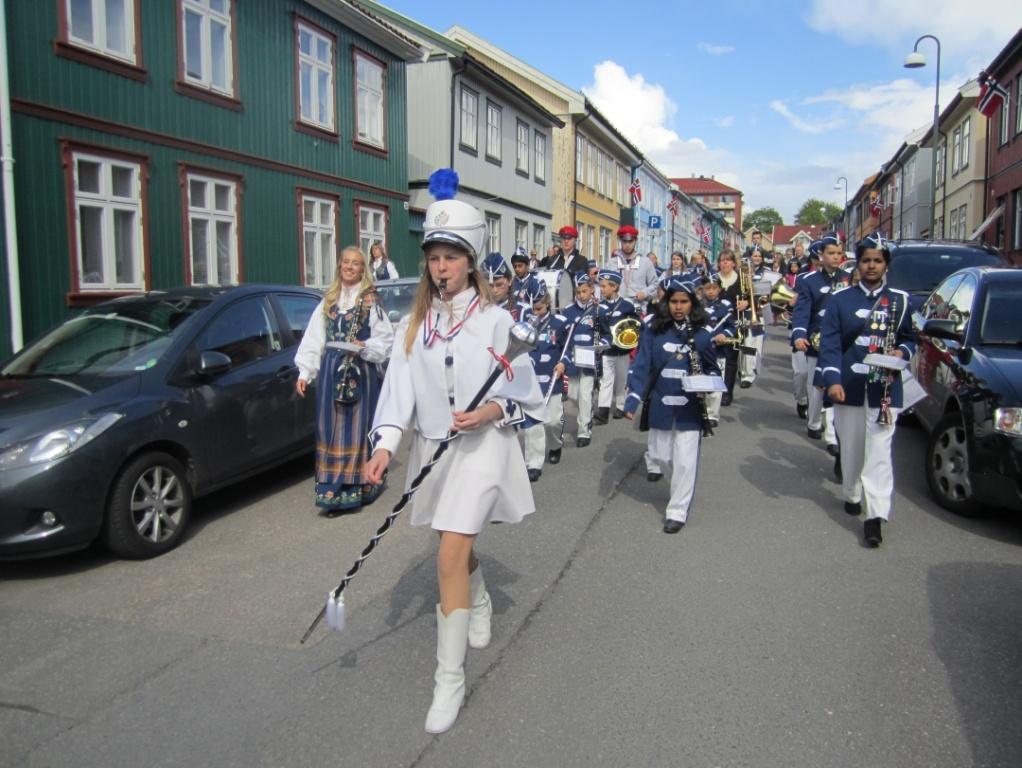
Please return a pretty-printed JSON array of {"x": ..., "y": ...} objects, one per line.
[
  {"x": 213, "y": 216},
  {"x": 954, "y": 224},
  {"x": 590, "y": 240},
  {"x": 580, "y": 159},
  {"x": 494, "y": 120},
  {"x": 963, "y": 228},
  {"x": 522, "y": 147},
  {"x": 591, "y": 178},
  {"x": 1005, "y": 116},
  {"x": 371, "y": 100},
  {"x": 1018, "y": 104},
  {"x": 208, "y": 17},
  {"x": 521, "y": 234},
  {"x": 601, "y": 171},
  {"x": 108, "y": 203},
  {"x": 368, "y": 231},
  {"x": 1016, "y": 235},
  {"x": 493, "y": 232},
  {"x": 956, "y": 150},
  {"x": 316, "y": 67},
  {"x": 966, "y": 137},
  {"x": 539, "y": 243},
  {"x": 604, "y": 245},
  {"x": 469, "y": 121},
  {"x": 100, "y": 21},
  {"x": 324, "y": 265},
  {"x": 539, "y": 166},
  {"x": 622, "y": 184}
]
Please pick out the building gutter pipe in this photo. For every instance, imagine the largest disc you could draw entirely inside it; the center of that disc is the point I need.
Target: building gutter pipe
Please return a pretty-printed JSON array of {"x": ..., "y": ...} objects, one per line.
[{"x": 10, "y": 220}]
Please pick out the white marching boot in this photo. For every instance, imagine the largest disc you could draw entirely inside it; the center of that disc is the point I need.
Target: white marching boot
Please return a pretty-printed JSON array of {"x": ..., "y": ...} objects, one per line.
[
  {"x": 449, "y": 690},
  {"x": 482, "y": 610}
]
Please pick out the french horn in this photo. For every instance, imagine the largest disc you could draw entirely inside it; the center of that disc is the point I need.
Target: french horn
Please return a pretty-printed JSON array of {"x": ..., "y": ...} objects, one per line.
[{"x": 624, "y": 333}]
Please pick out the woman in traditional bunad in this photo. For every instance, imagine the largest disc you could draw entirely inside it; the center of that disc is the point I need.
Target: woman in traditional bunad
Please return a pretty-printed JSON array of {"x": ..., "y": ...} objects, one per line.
[
  {"x": 347, "y": 338},
  {"x": 443, "y": 352}
]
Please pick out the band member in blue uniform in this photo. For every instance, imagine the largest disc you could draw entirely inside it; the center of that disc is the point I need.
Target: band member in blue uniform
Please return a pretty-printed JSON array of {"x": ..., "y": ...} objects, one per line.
[
  {"x": 552, "y": 331},
  {"x": 730, "y": 288},
  {"x": 677, "y": 344},
  {"x": 520, "y": 267},
  {"x": 749, "y": 362},
  {"x": 615, "y": 359},
  {"x": 580, "y": 358},
  {"x": 814, "y": 291},
  {"x": 721, "y": 325},
  {"x": 871, "y": 318},
  {"x": 497, "y": 274}
]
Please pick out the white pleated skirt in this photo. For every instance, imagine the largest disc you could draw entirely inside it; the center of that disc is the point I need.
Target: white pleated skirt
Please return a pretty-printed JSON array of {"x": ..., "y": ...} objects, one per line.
[{"x": 480, "y": 479}]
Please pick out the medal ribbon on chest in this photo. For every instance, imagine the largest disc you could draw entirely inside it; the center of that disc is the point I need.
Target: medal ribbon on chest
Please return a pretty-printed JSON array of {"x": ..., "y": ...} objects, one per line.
[{"x": 431, "y": 328}]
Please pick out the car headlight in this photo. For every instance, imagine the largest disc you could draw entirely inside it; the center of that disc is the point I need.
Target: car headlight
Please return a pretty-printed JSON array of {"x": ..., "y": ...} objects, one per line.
[
  {"x": 1008, "y": 421},
  {"x": 56, "y": 443}
]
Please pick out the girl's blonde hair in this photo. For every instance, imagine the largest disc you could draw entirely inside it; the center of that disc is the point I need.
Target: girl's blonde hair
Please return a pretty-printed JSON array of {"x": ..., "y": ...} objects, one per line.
[
  {"x": 367, "y": 284},
  {"x": 427, "y": 290}
]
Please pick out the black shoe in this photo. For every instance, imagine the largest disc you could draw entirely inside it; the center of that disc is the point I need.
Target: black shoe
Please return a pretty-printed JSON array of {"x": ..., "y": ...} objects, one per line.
[
  {"x": 554, "y": 455},
  {"x": 853, "y": 507},
  {"x": 745, "y": 384},
  {"x": 618, "y": 413},
  {"x": 871, "y": 532},
  {"x": 713, "y": 423},
  {"x": 582, "y": 442},
  {"x": 652, "y": 477},
  {"x": 837, "y": 469},
  {"x": 802, "y": 410},
  {"x": 833, "y": 450},
  {"x": 534, "y": 475},
  {"x": 814, "y": 434},
  {"x": 673, "y": 526},
  {"x": 601, "y": 415},
  {"x": 725, "y": 399}
]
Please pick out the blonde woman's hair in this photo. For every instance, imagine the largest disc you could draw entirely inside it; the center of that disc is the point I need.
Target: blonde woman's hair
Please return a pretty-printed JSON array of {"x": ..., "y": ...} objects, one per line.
[
  {"x": 330, "y": 297},
  {"x": 427, "y": 290}
]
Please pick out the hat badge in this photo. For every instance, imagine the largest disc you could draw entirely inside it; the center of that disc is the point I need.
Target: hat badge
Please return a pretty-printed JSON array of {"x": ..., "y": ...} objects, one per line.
[{"x": 441, "y": 218}]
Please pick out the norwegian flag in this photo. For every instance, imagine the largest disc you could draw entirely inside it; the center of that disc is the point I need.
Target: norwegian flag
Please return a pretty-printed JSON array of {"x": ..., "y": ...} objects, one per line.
[
  {"x": 697, "y": 225},
  {"x": 707, "y": 236},
  {"x": 876, "y": 207},
  {"x": 991, "y": 95},
  {"x": 673, "y": 206},
  {"x": 636, "y": 191}
]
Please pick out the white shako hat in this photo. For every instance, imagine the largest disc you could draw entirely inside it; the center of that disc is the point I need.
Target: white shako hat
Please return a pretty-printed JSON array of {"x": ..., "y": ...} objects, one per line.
[{"x": 452, "y": 221}]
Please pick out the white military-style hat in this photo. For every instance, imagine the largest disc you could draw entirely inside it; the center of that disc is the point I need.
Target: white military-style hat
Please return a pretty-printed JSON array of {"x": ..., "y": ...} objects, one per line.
[{"x": 452, "y": 221}]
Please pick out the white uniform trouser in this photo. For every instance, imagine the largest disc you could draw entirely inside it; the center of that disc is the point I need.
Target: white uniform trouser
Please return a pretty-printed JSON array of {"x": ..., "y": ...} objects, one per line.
[
  {"x": 801, "y": 377},
  {"x": 748, "y": 365},
  {"x": 713, "y": 398},
  {"x": 820, "y": 417},
  {"x": 613, "y": 381},
  {"x": 580, "y": 389},
  {"x": 866, "y": 464},
  {"x": 680, "y": 451},
  {"x": 539, "y": 435}
]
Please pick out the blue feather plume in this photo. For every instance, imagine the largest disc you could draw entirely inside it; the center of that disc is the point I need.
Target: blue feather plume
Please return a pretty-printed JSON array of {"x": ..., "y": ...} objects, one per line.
[{"x": 443, "y": 184}]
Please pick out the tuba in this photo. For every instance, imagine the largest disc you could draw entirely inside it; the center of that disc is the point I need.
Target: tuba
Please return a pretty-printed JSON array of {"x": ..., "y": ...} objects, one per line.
[
  {"x": 782, "y": 297},
  {"x": 624, "y": 334}
]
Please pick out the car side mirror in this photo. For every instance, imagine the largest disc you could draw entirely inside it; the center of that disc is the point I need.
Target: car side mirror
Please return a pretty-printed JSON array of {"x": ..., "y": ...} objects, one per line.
[
  {"x": 943, "y": 329},
  {"x": 213, "y": 363},
  {"x": 394, "y": 316}
]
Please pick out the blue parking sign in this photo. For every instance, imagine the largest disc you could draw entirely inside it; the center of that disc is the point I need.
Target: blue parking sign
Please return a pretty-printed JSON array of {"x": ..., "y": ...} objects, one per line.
[{"x": 655, "y": 222}]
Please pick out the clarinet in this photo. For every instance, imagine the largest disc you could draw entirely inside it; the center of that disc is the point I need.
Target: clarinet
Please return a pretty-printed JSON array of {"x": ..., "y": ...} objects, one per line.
[
  {"x": 697, "y": 370},
  {"x": 890, "y": 340}
]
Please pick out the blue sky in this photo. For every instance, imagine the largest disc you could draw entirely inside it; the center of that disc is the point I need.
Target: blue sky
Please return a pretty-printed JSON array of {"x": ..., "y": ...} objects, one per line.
[{"x": 776, "y": 98}]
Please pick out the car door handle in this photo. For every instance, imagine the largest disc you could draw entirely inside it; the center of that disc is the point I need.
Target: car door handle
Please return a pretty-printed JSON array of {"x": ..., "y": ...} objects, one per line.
[{"x": 287, "y": 371}]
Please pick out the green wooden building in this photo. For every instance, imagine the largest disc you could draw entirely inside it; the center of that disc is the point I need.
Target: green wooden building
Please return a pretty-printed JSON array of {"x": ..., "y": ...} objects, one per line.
[{"x": 171, "y": 142}]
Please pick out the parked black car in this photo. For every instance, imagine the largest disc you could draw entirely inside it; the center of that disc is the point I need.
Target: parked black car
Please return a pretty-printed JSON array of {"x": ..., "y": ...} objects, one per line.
[
  {"x": 397, "y": 296},
  {"x": 918, "y": 266},
  {"x": 969, "y": 361},
  {"x": 111, "y": 423}
]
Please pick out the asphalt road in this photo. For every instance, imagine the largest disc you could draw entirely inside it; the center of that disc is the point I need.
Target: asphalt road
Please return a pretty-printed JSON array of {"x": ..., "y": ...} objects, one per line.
[{"x": 764, "y": 634}]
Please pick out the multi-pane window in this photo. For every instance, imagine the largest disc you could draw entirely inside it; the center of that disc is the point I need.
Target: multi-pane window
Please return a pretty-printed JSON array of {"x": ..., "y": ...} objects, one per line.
[
  {"x": 315, "y": 77},
  {"x": 963, "y": 227},
  {"x": 521, "y": 234},
  {"x": 493, "y": 232},
  {"x": 601, "y": 171},
  {"x": 1016, "y": 235},
  {"x": 539, "y": 166},
  {"x": 622, "y": 184},
  {"x": 108, "y": 222},
  {"x": 1018, "y": 105},
  {"x": 370, "y": 117},
  {"x": 493, "y": 116},
  {"x": 966, "y": 135},
  {"x": 372, "y": 227},
  {"x": 941, "y": 160},
  {"x": 592, "y": 166},
  {"x": 604, "y": 244},
  {"x": 1005, "y": 111},
  {"x": 590, "y": 240},
  {"x": 522, "y": 148},
  {"x": 954, "y": 223},
  {"x": 319, "y": 240},
  {"x": 212, "y": 230},
  {"x": 956, "y": 151},
  {"x": 539, "y": 240},
  {"x": 580, "y": 161},
  {"x": 103, "y": 26},
  {"x": 469, "y": 117},
  {"x": 208, "y": 44}
]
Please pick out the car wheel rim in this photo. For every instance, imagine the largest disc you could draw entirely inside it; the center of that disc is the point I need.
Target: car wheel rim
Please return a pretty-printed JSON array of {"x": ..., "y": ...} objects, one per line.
[
  {"x": 157, "y": 504},
  {"x": 950, "y": 464}
]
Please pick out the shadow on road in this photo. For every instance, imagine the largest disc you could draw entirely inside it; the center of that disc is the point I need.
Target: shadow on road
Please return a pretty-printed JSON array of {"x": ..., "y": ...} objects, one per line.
[{"x": 977, "y": 634}]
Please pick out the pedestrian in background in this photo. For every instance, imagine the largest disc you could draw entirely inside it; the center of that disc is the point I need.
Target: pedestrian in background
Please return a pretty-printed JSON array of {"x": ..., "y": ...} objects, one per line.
[{"x": 382, "y": 267}]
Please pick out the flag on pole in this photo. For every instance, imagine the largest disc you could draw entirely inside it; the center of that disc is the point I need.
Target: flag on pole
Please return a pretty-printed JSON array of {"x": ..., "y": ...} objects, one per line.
[
  {"x": 636, "y": 191},
  {"x": 991, "y": 95},
  {"x": 876, "y": 206},
  {"x": 673, "y": 206}
]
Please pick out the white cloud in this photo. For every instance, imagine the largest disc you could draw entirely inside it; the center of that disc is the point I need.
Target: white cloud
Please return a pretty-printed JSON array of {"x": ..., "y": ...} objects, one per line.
[
  {"x": 715, "y": 50},
  {"x": 963, "y": 28},
  {"x": 724, "y": 122},
  {"x": 799, "y": 124}
]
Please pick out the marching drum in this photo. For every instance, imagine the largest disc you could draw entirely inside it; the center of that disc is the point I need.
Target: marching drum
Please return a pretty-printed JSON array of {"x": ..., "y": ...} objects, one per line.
[{"x": 558, "y": 285}]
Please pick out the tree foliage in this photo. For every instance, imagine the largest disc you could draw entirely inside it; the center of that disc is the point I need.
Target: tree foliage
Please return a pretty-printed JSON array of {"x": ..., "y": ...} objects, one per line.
[
  {"x": 763, "y": 219},
  {"x": 817, "y": 212}
]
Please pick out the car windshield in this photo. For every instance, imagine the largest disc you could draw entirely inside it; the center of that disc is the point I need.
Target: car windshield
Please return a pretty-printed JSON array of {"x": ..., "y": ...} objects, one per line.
[
  {"x": 113, "y": 340},
  {"x": 999, "y": 324},
  {"x": 397, "y": 297},
  {"x": 921, "y": 270}
]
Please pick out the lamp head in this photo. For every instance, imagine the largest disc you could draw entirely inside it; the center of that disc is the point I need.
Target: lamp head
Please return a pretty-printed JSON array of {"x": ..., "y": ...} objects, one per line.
[
  {"x": 915, "y": 60},
  {"x": 837, "y": 186}
]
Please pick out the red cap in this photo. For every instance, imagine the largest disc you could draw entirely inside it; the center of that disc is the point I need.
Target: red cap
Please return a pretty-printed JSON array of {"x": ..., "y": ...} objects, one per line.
[
  {"x": 567, "y": 232},
  {"x": 628, "y": 231}
]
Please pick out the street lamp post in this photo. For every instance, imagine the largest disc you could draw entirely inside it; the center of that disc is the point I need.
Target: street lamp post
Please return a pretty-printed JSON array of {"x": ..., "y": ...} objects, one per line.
[
  {"x": 844, "y": 212},
  {"x": 913, "y": 61}
]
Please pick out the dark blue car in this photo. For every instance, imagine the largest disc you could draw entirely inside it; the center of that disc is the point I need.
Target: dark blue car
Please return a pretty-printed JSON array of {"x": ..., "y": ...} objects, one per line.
[
  {"x": 114, "y": 421},
  {"x": 918, "y": 266}
]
